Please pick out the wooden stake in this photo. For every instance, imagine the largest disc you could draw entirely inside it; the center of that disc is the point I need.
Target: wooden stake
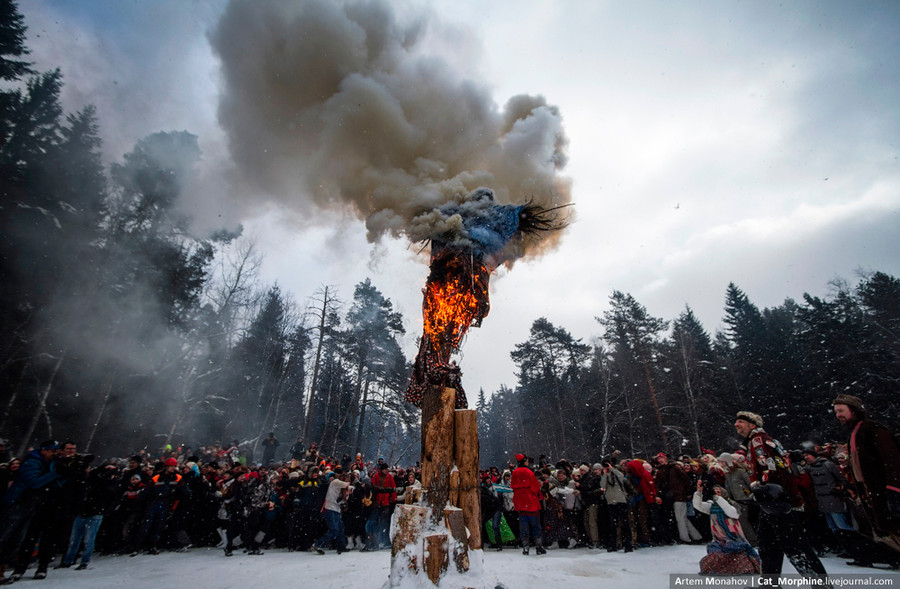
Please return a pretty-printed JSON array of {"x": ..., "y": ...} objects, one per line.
[
  {"x": 437, "y": 447},
  {"x": 436, "y": 559},
  {"x": 466, "y": 452}
]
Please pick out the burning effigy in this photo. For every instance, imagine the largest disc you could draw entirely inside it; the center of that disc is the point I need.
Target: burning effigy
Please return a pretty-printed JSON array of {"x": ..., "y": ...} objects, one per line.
[{"x": 477, "y": 236}]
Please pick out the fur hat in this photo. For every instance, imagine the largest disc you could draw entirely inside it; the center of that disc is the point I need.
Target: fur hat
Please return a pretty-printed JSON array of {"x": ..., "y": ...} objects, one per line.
[
  {"x": 751, "y": 417},
  {"x": 852, "y": 402}
]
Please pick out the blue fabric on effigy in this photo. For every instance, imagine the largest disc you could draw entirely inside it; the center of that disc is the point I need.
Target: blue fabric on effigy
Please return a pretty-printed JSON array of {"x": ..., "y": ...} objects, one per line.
[{"x": 490, "y": 229}]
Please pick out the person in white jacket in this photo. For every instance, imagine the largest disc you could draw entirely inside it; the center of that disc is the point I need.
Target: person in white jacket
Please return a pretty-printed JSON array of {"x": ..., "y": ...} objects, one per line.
[
  {"x": 338, "y": 489},
  {"x": 729, "y": 553}
]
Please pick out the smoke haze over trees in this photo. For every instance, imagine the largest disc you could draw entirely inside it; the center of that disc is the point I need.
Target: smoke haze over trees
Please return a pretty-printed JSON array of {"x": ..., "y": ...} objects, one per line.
[{"x": 123, "y": 328}]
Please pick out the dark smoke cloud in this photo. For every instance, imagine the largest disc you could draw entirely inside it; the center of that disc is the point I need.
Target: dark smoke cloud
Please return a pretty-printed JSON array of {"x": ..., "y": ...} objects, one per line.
[{"x": 341, "y": 105}]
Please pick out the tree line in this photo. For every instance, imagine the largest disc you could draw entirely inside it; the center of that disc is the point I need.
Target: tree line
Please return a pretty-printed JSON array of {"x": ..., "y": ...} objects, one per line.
[
  {"x": 648, "y": 385},
  {"x": 122, "y": 328}
]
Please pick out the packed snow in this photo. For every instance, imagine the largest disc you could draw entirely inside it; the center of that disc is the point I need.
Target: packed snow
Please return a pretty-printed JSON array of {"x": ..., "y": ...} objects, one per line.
[{"x": 203, "y": 568}]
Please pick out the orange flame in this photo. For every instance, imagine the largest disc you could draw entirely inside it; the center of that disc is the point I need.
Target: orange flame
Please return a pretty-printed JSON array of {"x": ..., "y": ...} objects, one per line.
[{"x": 448, "y": 310}]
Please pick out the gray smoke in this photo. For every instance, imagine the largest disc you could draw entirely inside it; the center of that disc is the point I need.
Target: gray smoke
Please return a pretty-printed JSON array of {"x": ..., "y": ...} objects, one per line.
[{"x": 343, "y": 106}]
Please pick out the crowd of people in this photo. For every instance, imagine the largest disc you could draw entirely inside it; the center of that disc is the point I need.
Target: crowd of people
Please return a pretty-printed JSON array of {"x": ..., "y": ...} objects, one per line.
[{"x": 751, "y": 506}]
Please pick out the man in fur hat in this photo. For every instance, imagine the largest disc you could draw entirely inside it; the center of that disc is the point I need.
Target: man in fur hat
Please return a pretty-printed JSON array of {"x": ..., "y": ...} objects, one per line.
[
  {"x": 779, "y": 530},
  {"x": 875, "y": 464},
  {"x": 765, "y": 455}
]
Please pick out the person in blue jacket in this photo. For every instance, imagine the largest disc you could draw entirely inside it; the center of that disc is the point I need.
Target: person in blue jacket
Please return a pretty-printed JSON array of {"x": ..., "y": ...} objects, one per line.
[{"x": 23, "y": 499}]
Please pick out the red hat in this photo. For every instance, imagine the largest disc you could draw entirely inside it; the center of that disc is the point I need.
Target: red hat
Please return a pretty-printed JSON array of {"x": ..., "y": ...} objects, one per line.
[
  {"x": 520, "y": 457},
  {"x": 171, "y": 462}
]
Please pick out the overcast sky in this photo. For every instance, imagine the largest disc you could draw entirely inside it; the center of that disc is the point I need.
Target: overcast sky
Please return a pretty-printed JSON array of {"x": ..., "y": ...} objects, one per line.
[{"x": 709, "y": 142}]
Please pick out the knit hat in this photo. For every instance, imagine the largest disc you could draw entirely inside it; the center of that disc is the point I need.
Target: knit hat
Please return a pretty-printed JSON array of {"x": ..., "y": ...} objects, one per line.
[
  {"x": 171, "y": 462},
  {"x": 726, "y": 458},
  {"x": 850, "y": 401},
  {"x": 597, "y": 466},
  {"x": 751, "y": 417},
  {"x": 520, "y": 457}
]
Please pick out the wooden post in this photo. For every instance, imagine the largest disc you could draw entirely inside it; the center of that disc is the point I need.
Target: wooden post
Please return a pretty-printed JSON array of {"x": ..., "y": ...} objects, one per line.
[
  {"x": 437, "y": 448},
  {"x": 455, "y": 522},
  {"x": 466, "y": 450},
  {"x": 450, "y": 488},
  {"x": 409, "y": 522},
  {"x": 436, "y": 558}
]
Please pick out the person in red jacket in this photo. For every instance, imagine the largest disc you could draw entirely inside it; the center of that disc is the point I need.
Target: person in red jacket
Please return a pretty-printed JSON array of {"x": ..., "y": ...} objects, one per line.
[
  {"x": 646, "y": 503},
  {"x": 385, "y": 497},
  {"x": 527, "y": 502}
]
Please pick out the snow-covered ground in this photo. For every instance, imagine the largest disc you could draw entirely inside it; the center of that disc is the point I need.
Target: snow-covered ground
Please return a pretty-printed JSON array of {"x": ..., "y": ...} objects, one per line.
[{"x": 277, "y": 569}]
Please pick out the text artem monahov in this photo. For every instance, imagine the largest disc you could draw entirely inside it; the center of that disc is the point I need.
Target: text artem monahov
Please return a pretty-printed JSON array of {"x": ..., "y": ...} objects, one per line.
[{"x": 711, "y": 581}]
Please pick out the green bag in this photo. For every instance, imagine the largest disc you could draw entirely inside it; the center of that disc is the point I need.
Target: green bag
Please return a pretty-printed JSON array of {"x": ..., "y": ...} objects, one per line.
[{"x": 506, "y": 534}]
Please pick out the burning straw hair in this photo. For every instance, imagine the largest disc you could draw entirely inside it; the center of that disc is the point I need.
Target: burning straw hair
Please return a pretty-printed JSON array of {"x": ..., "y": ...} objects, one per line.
[{"x": 535, "y": 218}]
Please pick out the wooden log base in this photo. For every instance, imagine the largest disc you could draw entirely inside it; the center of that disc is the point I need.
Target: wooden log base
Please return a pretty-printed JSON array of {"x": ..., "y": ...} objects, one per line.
[
  {"x": 441, "y": 523},
  {"x": 409, "y": 521},
  {"x": 436, "y": 558}
]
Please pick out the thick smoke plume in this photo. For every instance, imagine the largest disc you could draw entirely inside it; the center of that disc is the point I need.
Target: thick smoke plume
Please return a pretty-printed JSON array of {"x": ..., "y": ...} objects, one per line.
[{"x": 343, "y": 105}]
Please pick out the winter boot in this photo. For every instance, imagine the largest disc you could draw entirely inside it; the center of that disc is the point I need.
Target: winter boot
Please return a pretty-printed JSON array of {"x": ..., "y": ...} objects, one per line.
[
  {"x": 525, "y": 551},
  {"x": 540, "y": 550}
]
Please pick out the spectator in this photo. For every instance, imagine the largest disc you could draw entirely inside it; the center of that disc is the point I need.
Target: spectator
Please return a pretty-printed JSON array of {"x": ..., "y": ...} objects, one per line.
[
  {"x": 52, "y": 523},
  {"x": 527, "y": 500},
  {"x": 337, "y": 493},
  {"x": 385, "y": 496},
  {"x": 737, "y": 485},
  {"x": 25, "y": 497},
  {"x": 270, "y": 445},
  {"x": 98, "y": 498},
  {"x": 591, "y": 489},
  {"x": 674, "y": 486},
  {"x": 164, "y": 489},
  {"x": 614, "y": 486},
  {"x": 829, "y": 485},
  {"x": 298, "y": 453}
]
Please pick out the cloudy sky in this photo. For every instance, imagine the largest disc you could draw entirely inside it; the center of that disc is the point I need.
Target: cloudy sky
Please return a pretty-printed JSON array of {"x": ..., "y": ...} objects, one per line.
[{"x": 708, "y": 143}]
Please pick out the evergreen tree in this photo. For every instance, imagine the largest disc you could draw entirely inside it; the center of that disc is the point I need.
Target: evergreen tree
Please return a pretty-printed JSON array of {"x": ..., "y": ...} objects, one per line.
[
  {"x": 549, "y": 371},
  {"x": 12, "y": 42},
  {"x": 634, "y": 336},
  {"x": 372, "y": 327}
]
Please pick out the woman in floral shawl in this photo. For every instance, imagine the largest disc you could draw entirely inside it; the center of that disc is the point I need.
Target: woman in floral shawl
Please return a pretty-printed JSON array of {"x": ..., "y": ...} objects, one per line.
[{"x": 729, "y": 553}]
